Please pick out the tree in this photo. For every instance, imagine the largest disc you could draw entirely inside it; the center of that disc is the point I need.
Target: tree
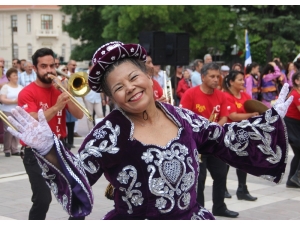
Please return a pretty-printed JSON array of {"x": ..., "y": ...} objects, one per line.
[
  {"x": 271, "y": 30},
  {"x": 208, "y": 26}
]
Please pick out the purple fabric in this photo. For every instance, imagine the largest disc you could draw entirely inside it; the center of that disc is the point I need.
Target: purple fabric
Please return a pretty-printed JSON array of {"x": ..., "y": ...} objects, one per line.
[
  {"x": 248, "y": 84},
  {"x": 159, "y": 182},
  {"x": 290, "y": 82},
  {"x": 108, "y": 54},
  {"x": 272, "y": 76}
]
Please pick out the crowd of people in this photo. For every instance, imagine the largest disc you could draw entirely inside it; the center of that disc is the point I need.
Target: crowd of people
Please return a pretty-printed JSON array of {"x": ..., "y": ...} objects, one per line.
[{"x": 153, "y": 153}]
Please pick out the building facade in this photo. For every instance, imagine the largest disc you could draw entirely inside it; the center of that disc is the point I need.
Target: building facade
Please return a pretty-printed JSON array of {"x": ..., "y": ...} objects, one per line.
[{"x": 26, "y": 28}]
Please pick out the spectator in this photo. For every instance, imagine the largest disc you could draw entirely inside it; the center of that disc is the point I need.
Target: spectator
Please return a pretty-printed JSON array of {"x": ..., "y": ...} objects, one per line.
[
  {"x": 9, "y": 98},
  {"x": 195, "y": 75},
  {"x": 28, "y": 75}
]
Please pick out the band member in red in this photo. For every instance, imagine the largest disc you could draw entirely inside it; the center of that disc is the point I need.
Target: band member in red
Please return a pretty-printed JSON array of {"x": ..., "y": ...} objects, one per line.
[
  {"x": 206, "y": 100},
  {"x": 233, "y": 86},
  {"x": 41, "y": 94}
]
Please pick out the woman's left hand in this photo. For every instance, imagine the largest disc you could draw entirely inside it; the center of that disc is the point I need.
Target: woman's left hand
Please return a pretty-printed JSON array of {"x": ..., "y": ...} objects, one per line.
[
  {"x": 34, "y": 133},
  {"x": 281, "y": 106}
]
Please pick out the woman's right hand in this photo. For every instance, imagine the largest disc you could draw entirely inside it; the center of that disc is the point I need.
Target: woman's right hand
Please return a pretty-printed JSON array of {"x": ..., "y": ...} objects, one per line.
[
  {"x": 36, "y": 134},
  {"x": 254, "y": 114}
]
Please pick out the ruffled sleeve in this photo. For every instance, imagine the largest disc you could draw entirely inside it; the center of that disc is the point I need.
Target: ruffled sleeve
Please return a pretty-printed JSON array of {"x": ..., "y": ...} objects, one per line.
[
  {"x": 72, "y": 185},
  {"x": 257, "y": 146}
]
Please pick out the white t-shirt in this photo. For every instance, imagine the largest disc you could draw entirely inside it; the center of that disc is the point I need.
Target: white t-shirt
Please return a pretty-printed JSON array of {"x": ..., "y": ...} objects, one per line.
[{"x": 11, "y": 93}]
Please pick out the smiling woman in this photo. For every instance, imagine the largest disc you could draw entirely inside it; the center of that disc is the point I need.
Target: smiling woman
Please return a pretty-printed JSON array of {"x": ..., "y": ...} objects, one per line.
[{"x": 146, "y": 149}]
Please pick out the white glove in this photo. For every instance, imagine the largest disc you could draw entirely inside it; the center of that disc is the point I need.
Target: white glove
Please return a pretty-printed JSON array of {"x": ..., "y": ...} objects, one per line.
[
  {"x": 36, "y": 134},
  {"x": 281, "y": 106}
]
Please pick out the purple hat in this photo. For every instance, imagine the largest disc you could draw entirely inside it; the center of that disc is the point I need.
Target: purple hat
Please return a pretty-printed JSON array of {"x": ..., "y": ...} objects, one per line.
[{"x": 108, "y": 54}]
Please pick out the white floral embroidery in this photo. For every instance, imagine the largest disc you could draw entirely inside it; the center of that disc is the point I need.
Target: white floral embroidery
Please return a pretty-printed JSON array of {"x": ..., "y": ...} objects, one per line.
[
  {"x": 135, "y": 196},
  {"x": 123, "y": 177},
  {"x": 113, "y": 58},
  {"x": 132, "y": 49},
  {"x": 103, "y": 52},
  {"x": 201, "y": 214},
  {"x": 147, "y": 156},
  {"x": 241, "y": 139},
  {"x": 173, "y": 177},
  {"x": 160, "y": 203}
]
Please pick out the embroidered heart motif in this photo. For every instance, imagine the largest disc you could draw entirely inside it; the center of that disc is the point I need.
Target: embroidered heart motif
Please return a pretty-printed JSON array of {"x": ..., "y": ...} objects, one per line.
[{"x": 172, "y": 170}]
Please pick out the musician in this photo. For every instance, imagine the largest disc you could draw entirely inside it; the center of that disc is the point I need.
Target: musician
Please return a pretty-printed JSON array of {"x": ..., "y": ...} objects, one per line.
[
  {"x": 268, "y": 83},
  {"x": 203, "y": 100},
  {"x": 146, "y": 149},
  {"x": 41, "y": 94},
  {"x": 233, "y": 86},
  {"x": 252, "y": 80}
]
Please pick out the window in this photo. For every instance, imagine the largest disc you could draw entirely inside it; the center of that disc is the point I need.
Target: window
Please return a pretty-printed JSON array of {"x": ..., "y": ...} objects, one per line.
[
  {"x": 47, "y": 22},
  {"x": 63, "y": 50},
  {"x": 28, "y": 23},
  {"x": 16, "y": 51},
  {"x": 29, "y": 51},
  {"x": 14, "y": 23},
  {"x": 73, "y": 46},
  {"x": 63, "y": 19}
]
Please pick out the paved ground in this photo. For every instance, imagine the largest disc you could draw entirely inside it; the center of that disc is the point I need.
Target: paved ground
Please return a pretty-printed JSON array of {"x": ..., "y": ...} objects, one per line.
[{"x": 275, "y": 202}]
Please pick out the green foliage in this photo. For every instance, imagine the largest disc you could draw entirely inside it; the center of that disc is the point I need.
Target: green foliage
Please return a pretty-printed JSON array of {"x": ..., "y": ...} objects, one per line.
[
  {"x": 271, "y": 31},
  {"x": 208, "y": 26}
]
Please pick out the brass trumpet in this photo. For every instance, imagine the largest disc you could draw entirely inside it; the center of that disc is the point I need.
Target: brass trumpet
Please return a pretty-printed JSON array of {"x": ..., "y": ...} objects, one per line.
[
  {"x": 168, "y": 89},
  {"x": 79, "y": 87}
]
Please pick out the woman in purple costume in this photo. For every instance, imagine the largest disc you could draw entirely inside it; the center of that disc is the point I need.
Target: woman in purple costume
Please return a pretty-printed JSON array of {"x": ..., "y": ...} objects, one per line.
[
  {"x": 146, "y": 149},
  {"x": 268, "y": 83}
]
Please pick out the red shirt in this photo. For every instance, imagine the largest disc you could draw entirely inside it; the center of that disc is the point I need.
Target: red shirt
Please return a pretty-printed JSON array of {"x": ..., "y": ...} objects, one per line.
[
  {"x": 293, "y": 111},
  {"x": 33, "y": 97},
  {"x": 235, "y": 104},
  {"x": 157, "y": 90},
  {"x": 202, "y": 104},
  {"x": 183, "y": 85}
]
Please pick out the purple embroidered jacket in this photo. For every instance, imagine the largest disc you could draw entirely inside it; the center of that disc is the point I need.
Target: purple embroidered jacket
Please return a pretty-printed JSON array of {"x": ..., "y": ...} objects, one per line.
[{"x": 159, "y": 182}]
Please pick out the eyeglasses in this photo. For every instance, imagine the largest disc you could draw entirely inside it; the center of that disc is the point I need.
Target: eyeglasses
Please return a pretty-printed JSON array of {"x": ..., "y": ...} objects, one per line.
[{"x": 56, "y": 63}]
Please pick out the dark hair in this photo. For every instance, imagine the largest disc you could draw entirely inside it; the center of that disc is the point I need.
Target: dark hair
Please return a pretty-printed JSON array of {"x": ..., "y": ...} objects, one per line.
[
  {"x": 237, "y": 64},
  {"x": 297, "y": 64},
  {"x": 230, "y": 77},
  {"x": 296, "y": 76},
  {"x": 287, "y": 68},
  {"x": 278, "y": 64},
  {"x": 18, "y": 61},
  {"x": 209, "y": 66},
  {"x": 10, "y": 71},
  {"x": 90, "y": 63},
  {"x": 250, "y": 66},
  {"x": 138, "y": 63},
  {"x": 266, "y": 70},
  {"x": 196, "y": 62},
  {"x": 41, "y": 53}
]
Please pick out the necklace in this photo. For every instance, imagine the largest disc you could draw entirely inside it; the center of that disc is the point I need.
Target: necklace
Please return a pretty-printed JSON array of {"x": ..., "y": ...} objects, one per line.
[{"x": 143, "y": 124}]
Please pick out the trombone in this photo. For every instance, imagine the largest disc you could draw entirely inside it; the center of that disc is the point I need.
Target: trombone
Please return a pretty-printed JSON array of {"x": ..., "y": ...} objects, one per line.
[
  {"x": 79, "y": 87},
  {"x": 5, "y": 120}
]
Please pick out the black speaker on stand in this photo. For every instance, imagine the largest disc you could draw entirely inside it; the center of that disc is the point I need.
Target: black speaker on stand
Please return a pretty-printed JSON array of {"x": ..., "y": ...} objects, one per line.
[{"x": 155, "y": 44}]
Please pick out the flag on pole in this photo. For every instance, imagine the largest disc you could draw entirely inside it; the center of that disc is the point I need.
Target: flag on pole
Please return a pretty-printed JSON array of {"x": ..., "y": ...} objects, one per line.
[{"x": 248, "y": 59}]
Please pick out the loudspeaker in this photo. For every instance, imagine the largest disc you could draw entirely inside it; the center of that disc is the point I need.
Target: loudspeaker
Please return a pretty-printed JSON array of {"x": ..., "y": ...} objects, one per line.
[
  {"x": 145, "y": 39},
  {"x": 158, "y": 50},
  {"x": 170, "y": 49},
  {"x": 166, "y": 48},
  {"x": 183, "y": 49},
  {"x": 155, "y": 45}
]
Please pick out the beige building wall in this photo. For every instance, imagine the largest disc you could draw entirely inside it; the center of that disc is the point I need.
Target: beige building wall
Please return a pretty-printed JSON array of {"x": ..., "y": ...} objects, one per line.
[{"x": 29, "y": 40}]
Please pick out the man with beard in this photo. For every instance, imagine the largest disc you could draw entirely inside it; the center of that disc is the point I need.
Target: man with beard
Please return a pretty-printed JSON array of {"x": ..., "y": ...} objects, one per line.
[{"x": 41, "y": 94}]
